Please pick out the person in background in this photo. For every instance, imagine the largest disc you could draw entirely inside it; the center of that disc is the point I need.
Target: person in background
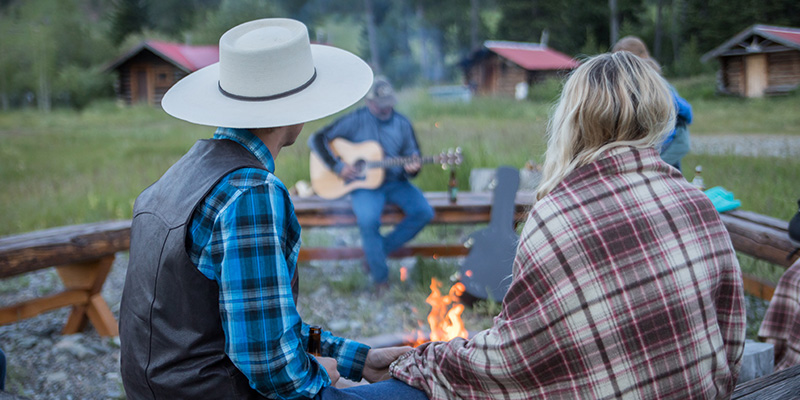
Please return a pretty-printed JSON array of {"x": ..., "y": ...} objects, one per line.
[
  {"x": 625, "y": 282},
  {"x": 677, "y": 144},
  {"x": 379, "y": 122},
  {"x": 208, "y": 309},
  {"x": 781, "y": 323}
]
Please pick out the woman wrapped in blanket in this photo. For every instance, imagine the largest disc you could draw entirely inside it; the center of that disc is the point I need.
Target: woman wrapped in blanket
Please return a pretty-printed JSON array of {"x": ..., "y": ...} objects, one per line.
[{"x": 625, "y": 283}]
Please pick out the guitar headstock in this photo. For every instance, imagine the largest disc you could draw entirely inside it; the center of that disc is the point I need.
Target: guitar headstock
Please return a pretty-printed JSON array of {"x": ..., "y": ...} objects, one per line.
[{"x": 450, "y": 157}]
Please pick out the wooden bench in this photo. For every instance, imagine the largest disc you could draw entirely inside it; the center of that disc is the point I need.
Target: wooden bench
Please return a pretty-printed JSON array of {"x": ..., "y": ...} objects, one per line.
[
  {"x": 779, "y": 385},
  {"x": 762, "y": 237},
  {"x": 82, "y": 254},
  {"x": 471, "y": 208}
]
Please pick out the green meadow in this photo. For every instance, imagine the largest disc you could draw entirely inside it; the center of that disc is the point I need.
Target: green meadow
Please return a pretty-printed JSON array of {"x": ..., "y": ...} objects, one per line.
[{"x": 67, "y": 167}]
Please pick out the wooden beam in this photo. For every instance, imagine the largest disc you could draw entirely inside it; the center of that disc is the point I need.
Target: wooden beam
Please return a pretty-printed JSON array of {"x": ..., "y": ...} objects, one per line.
[
  {"x": 758, "y": 287},
  {"x": 34, "y": 307},
  {"x": 349, "y": 253},
  {"x": 64, "y": 245},
  {"x": 760, "y": 236},
  {"x": 89, "y": 277},
  {"x": 784, "y": 384}
]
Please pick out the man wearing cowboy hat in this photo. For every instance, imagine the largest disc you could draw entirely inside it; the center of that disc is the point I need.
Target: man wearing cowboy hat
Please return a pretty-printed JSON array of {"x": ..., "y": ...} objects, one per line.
[
  {"x": 209, "y": 305},
  {"x": 379, "y": 122}
]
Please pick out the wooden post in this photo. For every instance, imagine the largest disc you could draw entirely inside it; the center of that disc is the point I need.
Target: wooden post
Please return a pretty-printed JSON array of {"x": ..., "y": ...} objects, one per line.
[{"x": 89, "y": 277}]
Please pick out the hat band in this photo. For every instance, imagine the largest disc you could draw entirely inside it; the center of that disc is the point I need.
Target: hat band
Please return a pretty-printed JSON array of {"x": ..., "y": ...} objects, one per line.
[{"x": 272, "y": 97}]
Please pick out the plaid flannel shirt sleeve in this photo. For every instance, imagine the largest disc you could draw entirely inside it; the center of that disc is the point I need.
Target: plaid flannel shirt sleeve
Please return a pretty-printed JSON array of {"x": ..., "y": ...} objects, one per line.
[{"x": 252, "y": 252}]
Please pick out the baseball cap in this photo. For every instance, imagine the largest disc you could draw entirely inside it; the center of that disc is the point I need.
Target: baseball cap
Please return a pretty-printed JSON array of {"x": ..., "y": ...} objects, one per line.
[{"x": 382, "y": 92}]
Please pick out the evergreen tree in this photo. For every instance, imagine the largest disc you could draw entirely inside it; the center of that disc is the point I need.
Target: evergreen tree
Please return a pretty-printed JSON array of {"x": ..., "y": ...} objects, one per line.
[{"x": 129, "y": 16}]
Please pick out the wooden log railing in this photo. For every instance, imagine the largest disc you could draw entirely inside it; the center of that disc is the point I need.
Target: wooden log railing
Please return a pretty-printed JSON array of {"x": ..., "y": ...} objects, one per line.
[
  {"x": 762, "y": 237},
  {"x": 82, "y": 254},
  {"x": 784, "y": 384}
]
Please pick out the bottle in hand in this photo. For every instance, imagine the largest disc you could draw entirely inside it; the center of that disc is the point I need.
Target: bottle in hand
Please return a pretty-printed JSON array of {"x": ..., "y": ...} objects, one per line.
[{"x": 314, "y": 343}]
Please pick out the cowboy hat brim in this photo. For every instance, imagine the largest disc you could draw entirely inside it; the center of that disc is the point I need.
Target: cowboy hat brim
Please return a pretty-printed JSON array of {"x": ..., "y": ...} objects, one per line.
[{"x": 342, "y": 79}]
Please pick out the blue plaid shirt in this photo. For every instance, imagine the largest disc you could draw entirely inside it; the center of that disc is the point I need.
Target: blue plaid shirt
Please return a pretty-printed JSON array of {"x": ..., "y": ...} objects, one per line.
[{"x": 245, "y": 236}]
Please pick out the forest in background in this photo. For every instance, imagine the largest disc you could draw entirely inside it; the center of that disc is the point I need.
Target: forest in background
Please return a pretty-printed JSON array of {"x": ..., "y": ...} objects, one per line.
[{"x": 53, "y": 53}]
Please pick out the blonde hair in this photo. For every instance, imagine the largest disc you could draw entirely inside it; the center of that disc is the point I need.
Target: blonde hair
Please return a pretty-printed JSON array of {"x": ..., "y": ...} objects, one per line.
[
  {"x": 611, "y": 100},
  {"x": 636, "y": 46}
]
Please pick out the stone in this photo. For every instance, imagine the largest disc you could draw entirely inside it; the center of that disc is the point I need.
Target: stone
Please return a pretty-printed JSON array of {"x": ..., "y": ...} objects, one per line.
[
  {"x": 56, "y": 377},
  {"x": 71, "y": 345},
  {"x": 758, "y": 360}
]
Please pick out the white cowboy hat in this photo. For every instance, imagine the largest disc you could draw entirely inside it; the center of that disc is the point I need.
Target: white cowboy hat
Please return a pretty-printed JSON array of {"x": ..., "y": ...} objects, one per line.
[{"x": 269, "y": 75}]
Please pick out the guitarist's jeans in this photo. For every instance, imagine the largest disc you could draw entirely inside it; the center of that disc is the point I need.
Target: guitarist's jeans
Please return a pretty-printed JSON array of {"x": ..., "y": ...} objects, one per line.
[{"x": 368, "y": 206}]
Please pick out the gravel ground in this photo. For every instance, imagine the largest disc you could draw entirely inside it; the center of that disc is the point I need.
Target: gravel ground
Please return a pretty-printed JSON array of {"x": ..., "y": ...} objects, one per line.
[
  {"x": 751, "y": 145},
  {"x": 43, "y": 364}
]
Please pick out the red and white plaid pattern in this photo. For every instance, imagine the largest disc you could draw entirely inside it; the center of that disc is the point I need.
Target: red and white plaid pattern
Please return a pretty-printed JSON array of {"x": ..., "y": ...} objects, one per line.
[
  {"x": 781, "y": 324},
  {"x": 625, "y": 285}
]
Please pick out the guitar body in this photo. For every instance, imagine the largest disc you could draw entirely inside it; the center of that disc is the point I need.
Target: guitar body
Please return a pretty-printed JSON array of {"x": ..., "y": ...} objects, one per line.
[
  {"x": 486, "y": 271},
  {"x": 328, "y": 185}
]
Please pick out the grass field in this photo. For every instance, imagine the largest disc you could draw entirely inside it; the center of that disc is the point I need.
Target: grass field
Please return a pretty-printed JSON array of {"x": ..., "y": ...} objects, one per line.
[{"x": 67, "y": 167}]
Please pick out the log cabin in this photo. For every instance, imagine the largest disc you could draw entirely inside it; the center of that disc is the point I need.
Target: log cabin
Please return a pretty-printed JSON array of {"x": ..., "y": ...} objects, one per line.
[
  {"x": 148, "y": 70},
  {"x": 497, "y": 67},
  {"x": 761, "y": 60}
]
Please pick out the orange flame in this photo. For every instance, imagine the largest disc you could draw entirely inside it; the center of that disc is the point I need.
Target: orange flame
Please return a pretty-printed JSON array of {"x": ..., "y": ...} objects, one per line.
[{"x": 444, "y": 319}]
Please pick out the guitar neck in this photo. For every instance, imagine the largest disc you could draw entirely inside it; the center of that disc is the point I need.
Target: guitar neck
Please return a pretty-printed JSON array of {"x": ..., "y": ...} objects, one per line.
[{"x": 400, "y": 161}]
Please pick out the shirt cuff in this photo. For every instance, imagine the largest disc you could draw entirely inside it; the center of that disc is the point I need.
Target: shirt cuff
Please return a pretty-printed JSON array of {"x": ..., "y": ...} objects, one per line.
[
  {"x": 351, "y": 359},
  {"x": 338, "y": 167}
]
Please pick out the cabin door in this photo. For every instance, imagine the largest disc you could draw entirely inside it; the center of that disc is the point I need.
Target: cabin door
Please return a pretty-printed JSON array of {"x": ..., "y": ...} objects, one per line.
[
  {"x": 755, "y": 70},
  {"x": 139, "y": 86}
]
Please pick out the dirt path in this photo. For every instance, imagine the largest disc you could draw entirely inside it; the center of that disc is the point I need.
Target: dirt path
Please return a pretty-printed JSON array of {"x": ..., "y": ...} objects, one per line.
[{"x": 751, "y": 145}]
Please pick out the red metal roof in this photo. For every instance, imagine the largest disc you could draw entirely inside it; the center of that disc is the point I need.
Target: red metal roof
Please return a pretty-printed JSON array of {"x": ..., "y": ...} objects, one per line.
[
  {"x": 532, "y": 56},
  {"x": 790, "y": 34},
  {"x": 789, "y": 37},
  {"x": 190, "y": 58}
]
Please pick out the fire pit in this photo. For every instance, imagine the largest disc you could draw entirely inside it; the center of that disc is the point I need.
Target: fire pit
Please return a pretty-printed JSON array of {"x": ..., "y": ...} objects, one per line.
[{"x": 444, "y": 321}]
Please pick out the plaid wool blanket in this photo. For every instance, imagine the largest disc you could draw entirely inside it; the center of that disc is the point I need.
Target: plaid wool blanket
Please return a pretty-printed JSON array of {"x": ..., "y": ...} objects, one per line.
[
  {"x": 781, "y": 324},
  {"x": 625, "y": 285}
]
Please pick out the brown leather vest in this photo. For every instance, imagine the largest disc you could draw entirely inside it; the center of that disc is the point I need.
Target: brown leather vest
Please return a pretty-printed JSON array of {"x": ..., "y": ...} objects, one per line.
[{"x": 172, "y": 342}]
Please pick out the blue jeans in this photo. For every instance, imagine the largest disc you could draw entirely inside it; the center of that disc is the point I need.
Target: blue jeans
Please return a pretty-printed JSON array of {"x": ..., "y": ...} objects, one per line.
[
  {"x": 368, "y": 206},
  {"x": 383, "y": 390},
  {"x": 2, "y": 370}
]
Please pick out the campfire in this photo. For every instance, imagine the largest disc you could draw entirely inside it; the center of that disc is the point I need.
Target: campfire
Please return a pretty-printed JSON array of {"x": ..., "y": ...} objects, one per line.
[{"x": 444, "y": 320}]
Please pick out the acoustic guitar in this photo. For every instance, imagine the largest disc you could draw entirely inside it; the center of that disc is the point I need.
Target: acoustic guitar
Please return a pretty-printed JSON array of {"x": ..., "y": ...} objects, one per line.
[{"x": 367, "y": 158}]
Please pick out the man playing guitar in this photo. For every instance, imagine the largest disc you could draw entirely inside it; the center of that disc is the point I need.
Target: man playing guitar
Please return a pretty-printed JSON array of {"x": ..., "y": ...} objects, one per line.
[{"x": 378, "y": 122}]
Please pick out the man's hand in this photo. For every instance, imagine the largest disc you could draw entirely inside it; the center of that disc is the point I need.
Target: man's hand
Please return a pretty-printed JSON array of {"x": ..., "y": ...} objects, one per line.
[
  {"x": 349, "y": 172},
  {"x": 413, "y": 166},
  {"x": 376, "y": 368},
  {"x": 330, "y": 365}
]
